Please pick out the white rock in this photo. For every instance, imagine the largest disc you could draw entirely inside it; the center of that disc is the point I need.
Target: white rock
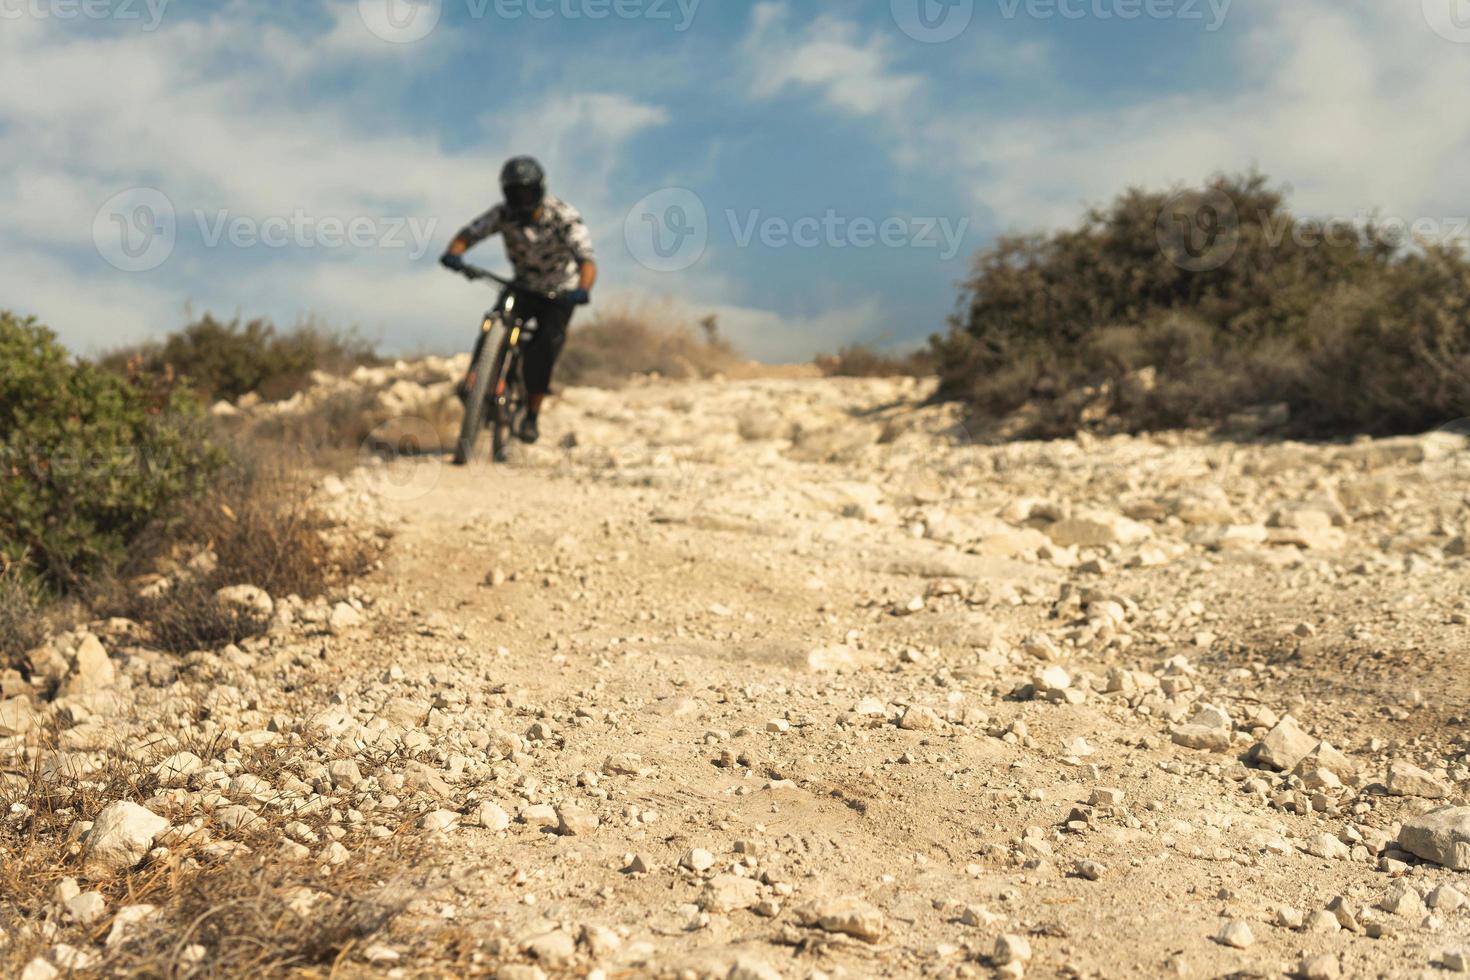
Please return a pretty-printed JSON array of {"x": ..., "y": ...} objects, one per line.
[
  {"x": 491, "y": 816},
  {"x": 1409, "y": 780},
  {"x": 1441, "y": 836},
  {"x": 847, "y": 916},
  {"x": 697, "y": 860},
  {"x": 726, "y": 893},
  {"x": 1236, "y": 933},
  {"x": 87, "y": 907},
  {"x": 94, "y": 670},
  {"x": 1011, "y": 948},
  {"x": 246, "y": 598},
  {"x": 120, "y": 837},
  {"x": 343, "y": 618},
  {"x": 177, "y": 768}
]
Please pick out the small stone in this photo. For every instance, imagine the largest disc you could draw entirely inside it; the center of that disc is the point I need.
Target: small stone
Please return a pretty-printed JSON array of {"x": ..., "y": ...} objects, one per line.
[
  {"x": 1402, "y": 900},
  {"x": 1236, "y": 934},
  {"x": 439, "y": 821},
  {"x": 638, "y": 864},
  {"x": 540, "y": 815},
  {"x": 573, "y": 821},
  {"x": 1288, "y": 918},
  {"x": 120, "y": 838},
  {"x": 1445, "y": 898},
  {"x": 94, "y": 671},
  {"x": 87, "y": 907},
  {"x": 177, "y": 768},
  {"x": 727, "y": 893},
  {"x": 128, "y": 920},
  {"x": 1441, "y": 836},
  {"x": 1284, "y": 746},
  {"x": 919, "y": 719},
  {"x": 847, "y": 916},
  {"x": 697, "y": 860},
  {"x": 490, "y": 816},
  {"x": 1106, "y": 796},
  {"x": 247, "y": 599},
  {"x": 1408, "y": 780},
  {"x": 1322, "y": 921},
  {"x": 39, "y": 969},
  {"x": 554, "y": 948},
  {"x": 343, "y": 618},
  {"x": 1011, "y": 948},
  {"x": 1346, "y": 913},
  {"x": 1456, "y": 960},
  {"x": 65, "y": 890},
  {"x": 600, "y": 940},
  {"x": 1091, "y": 870},
  {"x": 1322, "y": 967}
]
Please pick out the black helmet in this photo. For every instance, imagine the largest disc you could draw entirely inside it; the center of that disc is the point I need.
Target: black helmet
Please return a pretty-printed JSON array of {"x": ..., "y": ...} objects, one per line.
[{"x": 523, "y": 183}]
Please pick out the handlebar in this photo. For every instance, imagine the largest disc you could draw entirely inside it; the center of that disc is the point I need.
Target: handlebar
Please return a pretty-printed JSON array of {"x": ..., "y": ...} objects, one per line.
[{"x": 474, "y": 273}]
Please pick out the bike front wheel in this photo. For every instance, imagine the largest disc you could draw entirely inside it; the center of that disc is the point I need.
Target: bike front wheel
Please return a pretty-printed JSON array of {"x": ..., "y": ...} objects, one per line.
[
  {"x": 509, "y": 404},
  {"x": 476, "y": 406}
]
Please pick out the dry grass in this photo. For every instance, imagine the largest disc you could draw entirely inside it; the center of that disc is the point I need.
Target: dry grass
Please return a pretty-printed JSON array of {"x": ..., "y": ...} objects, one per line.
[
  {"x": 643, "y": 338},
  {"x": 258, "y": 523},
  {"x": 22, "y": 616},
  {"x": 862, "y": 361},
  {"x": 251, "y": 914}
]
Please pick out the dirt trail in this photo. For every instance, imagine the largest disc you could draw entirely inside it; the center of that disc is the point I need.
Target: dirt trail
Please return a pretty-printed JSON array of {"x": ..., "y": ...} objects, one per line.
[{"x": 868, "y": 679}]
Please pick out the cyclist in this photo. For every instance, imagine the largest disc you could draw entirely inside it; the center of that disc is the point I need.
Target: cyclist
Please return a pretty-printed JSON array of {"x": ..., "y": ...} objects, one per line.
[{"x": 551, "y": 251}]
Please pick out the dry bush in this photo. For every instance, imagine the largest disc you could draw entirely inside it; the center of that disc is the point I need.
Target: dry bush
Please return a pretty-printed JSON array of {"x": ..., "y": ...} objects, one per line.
[
  {"x": 862, "y": 361},
  {"x": 347, "y": 423},
  {"x": 258, "y": 523},
  {"x": 22, "y": 616},
  {"x": 630, "y": 339}
]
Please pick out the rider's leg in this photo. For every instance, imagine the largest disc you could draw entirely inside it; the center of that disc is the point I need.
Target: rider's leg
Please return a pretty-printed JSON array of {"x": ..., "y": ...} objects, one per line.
[{"x": 540, "y": 357}]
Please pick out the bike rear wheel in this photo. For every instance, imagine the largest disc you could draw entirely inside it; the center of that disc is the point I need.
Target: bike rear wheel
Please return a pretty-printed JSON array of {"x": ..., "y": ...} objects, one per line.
[{"x": 476, "y": 406}]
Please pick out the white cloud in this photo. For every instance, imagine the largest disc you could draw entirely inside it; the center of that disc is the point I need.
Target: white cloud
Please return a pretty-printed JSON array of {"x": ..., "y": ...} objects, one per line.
[
  {"x": 1349, "y": 101},
  {"x": 202, "y": 109},
  {"x": 852, "y": 74}
]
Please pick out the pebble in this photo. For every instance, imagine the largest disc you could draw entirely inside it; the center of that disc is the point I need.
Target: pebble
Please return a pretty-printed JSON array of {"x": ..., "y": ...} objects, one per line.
[
  {"x": 1236, "y": 934},
  {"x": 1321, "y": 967}
]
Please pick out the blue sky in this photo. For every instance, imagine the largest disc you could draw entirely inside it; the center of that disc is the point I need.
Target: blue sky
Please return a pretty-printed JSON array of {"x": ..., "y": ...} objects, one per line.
[{"x": 834, "y": 167}]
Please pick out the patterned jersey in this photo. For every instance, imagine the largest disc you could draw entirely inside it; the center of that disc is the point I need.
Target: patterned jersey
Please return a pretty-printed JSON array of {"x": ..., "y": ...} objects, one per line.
[{"x": 546, "y": 253}]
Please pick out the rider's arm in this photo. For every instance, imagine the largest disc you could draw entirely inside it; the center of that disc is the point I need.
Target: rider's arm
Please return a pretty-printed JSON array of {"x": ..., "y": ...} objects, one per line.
[
  {"x": 478, "y": 230},
  {"x": 588, "y": 272}
]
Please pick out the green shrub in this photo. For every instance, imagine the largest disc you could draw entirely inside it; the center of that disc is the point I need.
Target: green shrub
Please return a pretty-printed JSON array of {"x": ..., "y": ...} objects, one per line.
[
  {"x": 88, "y": 458},
  {"x": 1348, "y": 329},
  {"x": 227, "y": 360}
]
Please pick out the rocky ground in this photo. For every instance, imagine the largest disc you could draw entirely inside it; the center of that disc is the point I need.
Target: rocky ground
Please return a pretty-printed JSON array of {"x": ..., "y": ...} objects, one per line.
[{"x": 793, "y": 678}]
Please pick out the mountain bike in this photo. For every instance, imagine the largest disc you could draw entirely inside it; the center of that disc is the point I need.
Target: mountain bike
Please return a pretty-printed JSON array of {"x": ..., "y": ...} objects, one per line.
[{"x": 495, "y": 391}]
